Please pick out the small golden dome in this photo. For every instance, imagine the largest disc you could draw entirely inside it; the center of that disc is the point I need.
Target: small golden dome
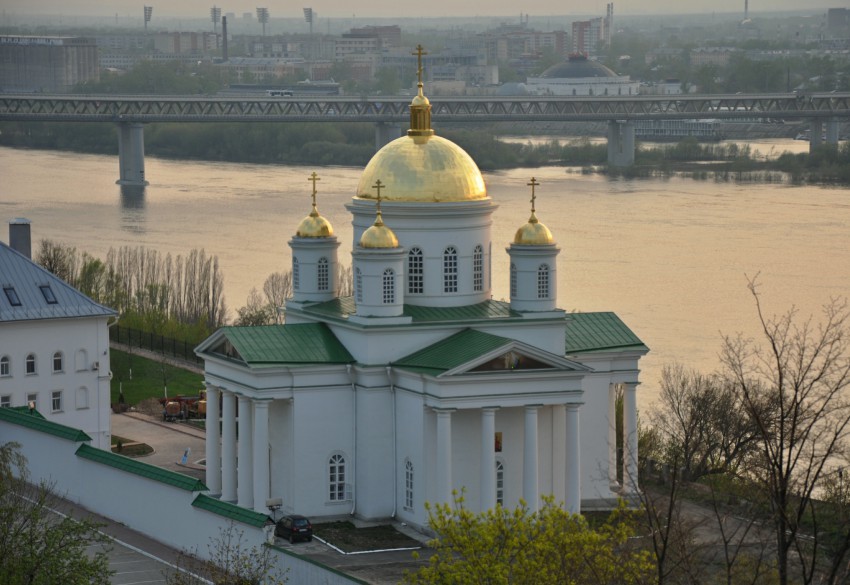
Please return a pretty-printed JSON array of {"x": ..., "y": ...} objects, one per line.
[
  {"x": 314, "y": 226},
  {"x": 533, "y": 233},
  {"x": 378, "y": 236},
  {"x": 423, "y": 169}
]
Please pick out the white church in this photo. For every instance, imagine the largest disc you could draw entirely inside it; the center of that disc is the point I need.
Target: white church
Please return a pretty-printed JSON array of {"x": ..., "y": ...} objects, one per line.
[{"x": 421, "y": 384}]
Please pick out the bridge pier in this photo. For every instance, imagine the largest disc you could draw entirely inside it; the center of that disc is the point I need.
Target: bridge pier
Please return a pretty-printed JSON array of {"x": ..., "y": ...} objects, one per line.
[
  {"x": 815, "y": 133},
  {"x": 131, "y": 154},
  {"x": 386, "y": 132},
  {"x": 621, "y": 143},
  {"x": 832, "y": 131}
]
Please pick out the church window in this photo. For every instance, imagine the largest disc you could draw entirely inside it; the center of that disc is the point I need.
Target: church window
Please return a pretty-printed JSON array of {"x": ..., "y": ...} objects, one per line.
[
  {"x": 57, "y": 361},
  {"x": 450, "y": 270},
  {"x": 336, "y": 478},
  {"x": 415, "y": 272},
  {"x": 408, "y": 485},
  {"x": 296, "y": 278},
  {"x": 323, "y": 274},
  {"x": 478, "y": 269},
  {"x": 389, "y": 286},
  {"x": 543, "y": 281},
  {"x": 500, "y": 483},
  {"x": 56, "y": 401},
  {"x": 5, "y": 366},
  {"x": 513, "y": 280},
  {"x": 358, "y": 285},
  {"x": 31, "y": 363}
]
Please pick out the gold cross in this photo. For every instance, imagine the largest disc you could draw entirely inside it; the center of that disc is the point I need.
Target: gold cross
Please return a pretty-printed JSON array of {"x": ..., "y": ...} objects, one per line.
[
  {"x": 378, "y": 186},
  {"x": 533, "y": 184},
  {"x": 420, "y": 51},
  {"x": 313, "y": 178}
]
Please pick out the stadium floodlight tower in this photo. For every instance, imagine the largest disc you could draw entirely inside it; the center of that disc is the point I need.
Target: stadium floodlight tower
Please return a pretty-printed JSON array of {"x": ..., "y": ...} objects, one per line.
[
  {"x": 215, "y": 15},
  {"x": 263, "y": 17},
  {"x": 308, "y": 17},
  {"x": 148, "y": 12}
]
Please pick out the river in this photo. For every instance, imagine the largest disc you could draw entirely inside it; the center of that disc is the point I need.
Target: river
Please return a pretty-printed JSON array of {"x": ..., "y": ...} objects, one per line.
[{"x": 670, "y": 256}]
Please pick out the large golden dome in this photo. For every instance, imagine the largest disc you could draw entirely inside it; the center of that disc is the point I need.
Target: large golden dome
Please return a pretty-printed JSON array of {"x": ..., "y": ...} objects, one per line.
[{"x": 423, "y": 168}]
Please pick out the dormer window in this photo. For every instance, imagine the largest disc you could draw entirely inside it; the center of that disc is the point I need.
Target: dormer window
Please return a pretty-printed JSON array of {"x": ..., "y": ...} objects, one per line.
[
  {"x": 12, "y": 295},
  {"x": 47, "y": 292}
]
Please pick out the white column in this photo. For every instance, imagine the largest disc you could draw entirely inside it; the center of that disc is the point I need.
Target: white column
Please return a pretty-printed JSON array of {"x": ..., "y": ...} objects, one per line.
[
  {"x": 529, "y": 459},
  {"x": 612, "y": 437},
  {"x": 245, "y": 468},
  {"x": 444, "y": 456},
  {"x": 559, "y": 442},
  {"x": 213, "y": 441},
  {"x": 228, "y": 446},
  {"x": 261, "y": 454},
  {"x": 630, "y": 439},
  {"x": 572, "y": 497},
  {"x": 488, "y": 458}
]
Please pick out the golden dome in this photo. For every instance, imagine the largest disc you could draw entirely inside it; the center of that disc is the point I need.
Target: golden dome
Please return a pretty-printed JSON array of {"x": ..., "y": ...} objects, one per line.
[
  {"x": 425, "y": 169},
  {"x": 533, "y": 233},
  {"x": 314, "y": 226},
  {"x": 378, "y": 236}
]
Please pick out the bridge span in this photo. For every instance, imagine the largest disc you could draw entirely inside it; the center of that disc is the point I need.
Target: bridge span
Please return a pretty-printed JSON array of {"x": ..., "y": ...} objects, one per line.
[{"x": 131, "y": 112}]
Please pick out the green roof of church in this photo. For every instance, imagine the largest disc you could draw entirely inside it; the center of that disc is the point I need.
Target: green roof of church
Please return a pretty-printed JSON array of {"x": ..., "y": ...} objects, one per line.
[
  {"x": 159, "y": 474},
  {"x": 341, "y": 308},
  {"x": 34, "y": 420},
  {"x": 451, "y": 352},
  {"x": 597, "y": 332},
  {"x": 303, "y": 343},
  {"x": 231, "y": 511}
]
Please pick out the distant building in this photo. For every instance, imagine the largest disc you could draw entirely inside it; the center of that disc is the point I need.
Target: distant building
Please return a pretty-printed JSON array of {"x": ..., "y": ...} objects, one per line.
[
  {"x": 46, "y": 64},
  {"x": 388, "y": 36},
  {"x": 580, "y": 76},
  {"x": 185, "y": 43},
  {"x": 837, "y": 18},
  {"x": 54, "y": 344},
  {"x": 719, "y": 56},
  {"x": 588, "y": 35}
]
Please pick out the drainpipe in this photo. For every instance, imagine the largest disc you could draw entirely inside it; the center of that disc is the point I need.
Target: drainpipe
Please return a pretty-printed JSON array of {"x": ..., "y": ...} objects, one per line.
[
  {"x": 350, "y": 372},
  {"x": 395, "y": 444}
]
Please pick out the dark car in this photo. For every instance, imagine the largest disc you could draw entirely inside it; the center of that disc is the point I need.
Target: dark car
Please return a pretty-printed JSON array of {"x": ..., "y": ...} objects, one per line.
[{"x": 294, "y": 528}]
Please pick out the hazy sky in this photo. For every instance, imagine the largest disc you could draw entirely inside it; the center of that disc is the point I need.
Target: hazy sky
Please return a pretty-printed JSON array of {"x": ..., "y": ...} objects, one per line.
[{"x": 384, "y": 8}]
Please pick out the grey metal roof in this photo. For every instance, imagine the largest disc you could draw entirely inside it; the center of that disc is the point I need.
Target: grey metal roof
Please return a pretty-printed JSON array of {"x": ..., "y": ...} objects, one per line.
[{"x": 26, "y": 277}]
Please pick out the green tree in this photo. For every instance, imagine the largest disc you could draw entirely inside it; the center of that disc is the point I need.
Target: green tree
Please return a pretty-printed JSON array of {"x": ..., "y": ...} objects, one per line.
[
  {"x": 519, "y": 546},
  {"x": 37, "y": 546}
]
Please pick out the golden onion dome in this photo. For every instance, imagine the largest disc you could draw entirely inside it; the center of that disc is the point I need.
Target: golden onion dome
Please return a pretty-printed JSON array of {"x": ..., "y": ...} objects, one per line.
[
  {"x": 314, "y": 226},
  {"x": 378, "y": 235},
  {"x": 533, "y": 233},
  {"x": 423, "y": 169}
]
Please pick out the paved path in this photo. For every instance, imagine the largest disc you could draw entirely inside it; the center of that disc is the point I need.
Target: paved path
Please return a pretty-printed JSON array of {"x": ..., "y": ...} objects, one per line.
[{"x": 170, "y": 440}]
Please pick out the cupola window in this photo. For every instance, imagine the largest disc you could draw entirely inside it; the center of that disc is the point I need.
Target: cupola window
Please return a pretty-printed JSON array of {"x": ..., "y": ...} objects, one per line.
[
  {"x": 296, "y": 278},
  {"x": 358, "y": 285},
  {"x": 389, "y": 286},
  {"x": 323, "y": 280},
  {"x": 500, "y": 483},
  {"x": 415, "y": 272},
  {"x": 513, "y": 280},
  {"x": 543, "y": 281},
  {"x": 478, "y": 269},
  {"x": 450, "y": 270}
]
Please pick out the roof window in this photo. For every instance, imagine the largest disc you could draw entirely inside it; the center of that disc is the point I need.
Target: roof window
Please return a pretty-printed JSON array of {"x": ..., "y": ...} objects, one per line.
[
  {"x": 12, "y": 295},
  {"x": 48, "y": 294}
]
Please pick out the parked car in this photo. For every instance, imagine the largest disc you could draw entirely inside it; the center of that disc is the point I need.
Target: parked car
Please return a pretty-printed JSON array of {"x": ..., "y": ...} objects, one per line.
[{"x": 294, "y": 528}]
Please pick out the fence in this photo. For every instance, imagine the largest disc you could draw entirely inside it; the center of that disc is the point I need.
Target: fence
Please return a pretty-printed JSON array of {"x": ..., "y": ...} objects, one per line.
[{"x": 176, "y": 348}]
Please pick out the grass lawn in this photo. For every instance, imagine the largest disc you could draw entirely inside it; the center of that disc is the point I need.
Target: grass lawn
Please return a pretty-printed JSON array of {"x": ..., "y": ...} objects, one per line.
[
  {"x": 147, "y": 379},
  {"x": 345, "y": 536}
]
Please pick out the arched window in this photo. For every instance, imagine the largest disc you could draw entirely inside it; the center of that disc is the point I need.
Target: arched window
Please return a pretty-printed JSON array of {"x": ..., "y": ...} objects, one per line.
[
  {"x": 296, "y": 279},
  {"x": 513, "y": 280},
  {"x": 82, "y": 397},
  {"x": 31, "y": 363},
  {"x": 478, "y": 269},
  {"x": 408, "y": 485},
  {"x": 358, "y": 285},
  {"x": 500, "y": 483},
  {"x": 336, "y": 478},
  {"x": 415, "y": 272},
  {"x": 5, "y": 366},
  {"x": 543, "y": 281},
  {"x": 389, "y": 286},
  {"x": 322, "y": 279},
  {"x": 450, "y": 269},
  {"x": 57, "y": 361}
]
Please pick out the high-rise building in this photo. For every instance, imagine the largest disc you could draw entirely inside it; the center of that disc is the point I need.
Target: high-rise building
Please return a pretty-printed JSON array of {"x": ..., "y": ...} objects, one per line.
[{"x": 46, "y": 64}]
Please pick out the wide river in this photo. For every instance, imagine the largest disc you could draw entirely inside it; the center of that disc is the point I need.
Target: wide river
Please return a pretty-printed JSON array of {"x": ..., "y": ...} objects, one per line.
[{"x": 671, "y": 257}]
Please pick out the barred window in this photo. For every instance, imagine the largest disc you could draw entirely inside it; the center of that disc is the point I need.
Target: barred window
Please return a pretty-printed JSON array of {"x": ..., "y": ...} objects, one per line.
[
  {"x": 408, "y": 485},
  {"x": 543, "y": 281},
  {"x": 450, "y": 269},
  {"x": 513, "y": 280},
  {"x": 415, "y": 272},
  {"x": 389, "y": 286},
  {"x": 296, "y": 278},
  {"x": 358, "y": 285},
  {"x": 500, "y": 483},
  {"x": 478, "y": 269},
  {"x": 323, "y": 274},
  {"x": 336, "y": 478}
]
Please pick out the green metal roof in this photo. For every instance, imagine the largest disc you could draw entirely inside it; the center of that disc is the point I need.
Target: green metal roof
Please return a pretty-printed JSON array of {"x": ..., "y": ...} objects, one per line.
[
  {"x": 184, "y": 482},
  {"x": 34, "y": 420},
  {"x": 452, "y": 352},
  {"x": 304, "y": 343},
  {"x": 488, "y": 310},
  {"x": 599, "y": 331},
  {"x": 231, "y": 511}
]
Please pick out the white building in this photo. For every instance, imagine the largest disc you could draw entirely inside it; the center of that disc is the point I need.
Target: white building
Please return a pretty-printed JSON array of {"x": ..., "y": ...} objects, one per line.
[
  {"x": 580, "y": 77},
  {"x": 54, "y": 343},
  {"x": 420, "y": 384}
]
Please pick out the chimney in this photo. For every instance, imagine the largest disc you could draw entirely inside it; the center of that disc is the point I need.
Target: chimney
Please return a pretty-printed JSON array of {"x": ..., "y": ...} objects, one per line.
[
  {"x": 224, "y": 38},
  {"x": 19, "y": 236}
]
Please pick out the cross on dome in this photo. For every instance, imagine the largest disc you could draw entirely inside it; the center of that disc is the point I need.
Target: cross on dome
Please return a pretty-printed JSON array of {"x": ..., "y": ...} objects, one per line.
[
  {"x": 420, "y": 51},
  {"x": 313, "y": 178},
  {"x": 534, "y": 183}
]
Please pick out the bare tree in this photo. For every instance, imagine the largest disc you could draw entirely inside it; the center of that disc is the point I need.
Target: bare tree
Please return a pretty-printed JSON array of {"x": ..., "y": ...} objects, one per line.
[
  {"x": 794, "y": 386},
  {"x": 278, "y": 288}
]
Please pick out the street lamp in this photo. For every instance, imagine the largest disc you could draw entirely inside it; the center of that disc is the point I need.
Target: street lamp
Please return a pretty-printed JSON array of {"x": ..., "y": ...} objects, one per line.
[{"x": 263, "y": 17}]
